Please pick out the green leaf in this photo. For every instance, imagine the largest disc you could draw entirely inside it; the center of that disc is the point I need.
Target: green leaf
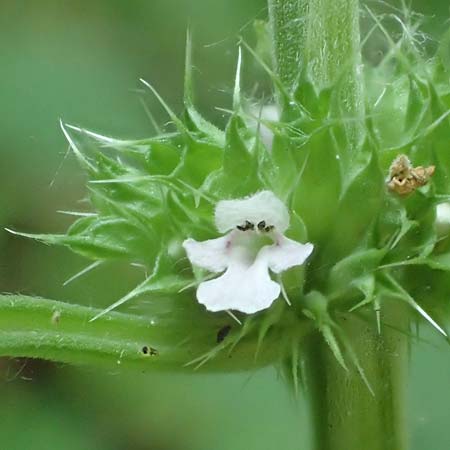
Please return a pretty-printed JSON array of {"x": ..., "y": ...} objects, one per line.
[
  {"x": 417, "y": 105},
  {"x": 306, "y": 95},
  {"x": 316, "y": 306},
  {"x": 437, "y": 262},
  {"x": 240, "y": 166},
  {"x": 437, "y": 137},
  {"x": 366, "y": 285},
  {"x": 388, "y": 103},
  {"x": 353, "y": 271},
  {"x": 393, "y": 287},
  {"x": 316, "y": 195},
  {"x": 282, "y": 168},
  {"x": 162, "y": 158},
  {"x": 157, "y": 283},
  {"x": 103, "y": 238},
  {"x": 444, "y": 51},
  {"x": 109, "y": 238},
  {"x": 199, "y": 159},
  {"x": 237, "y": 160},
  {"x": 358, "y": 211},
  {"x": 194, "y": 120},
  {"x": 417, "y": 232}
]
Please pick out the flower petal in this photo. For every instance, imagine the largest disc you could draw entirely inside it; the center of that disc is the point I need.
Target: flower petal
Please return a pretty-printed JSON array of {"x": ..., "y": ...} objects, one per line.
[
  {"x": 285, "y": 253},
  {"x": 241, "y": 288},
  {"x": 263, "y": 206},
  {"x": 211, "y": 255}
]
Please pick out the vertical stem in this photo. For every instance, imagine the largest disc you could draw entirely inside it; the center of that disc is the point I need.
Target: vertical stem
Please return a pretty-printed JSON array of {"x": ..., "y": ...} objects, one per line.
[
  {"x": 334, "y": 57},
  {"x": 333, "y": 42},
  {"x": 288, "y": 35},
  {"x": 322, "y": 38},
  {"x": 345, "y": 415}
]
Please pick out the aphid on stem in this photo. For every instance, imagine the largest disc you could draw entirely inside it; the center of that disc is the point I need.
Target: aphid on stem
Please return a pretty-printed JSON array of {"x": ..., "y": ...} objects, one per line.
[
  {"x": 223, "y": 333},
  {"x": 149, "y": 351}
]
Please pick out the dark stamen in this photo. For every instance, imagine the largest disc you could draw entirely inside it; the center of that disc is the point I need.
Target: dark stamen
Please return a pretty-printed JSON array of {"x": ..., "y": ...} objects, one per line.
[
  {"x": 247, "y": 226},
  {"x": 261, "y": 225}
]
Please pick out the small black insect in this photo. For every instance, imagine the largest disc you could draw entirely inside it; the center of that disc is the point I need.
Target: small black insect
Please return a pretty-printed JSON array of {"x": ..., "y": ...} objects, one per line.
[
  {"x": 223, "y": 333},
  {"x": 149, "y": 351}
]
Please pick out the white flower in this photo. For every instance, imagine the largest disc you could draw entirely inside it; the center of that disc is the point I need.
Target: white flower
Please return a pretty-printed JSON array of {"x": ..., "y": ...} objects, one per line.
[{"x": 253, "y": 245}]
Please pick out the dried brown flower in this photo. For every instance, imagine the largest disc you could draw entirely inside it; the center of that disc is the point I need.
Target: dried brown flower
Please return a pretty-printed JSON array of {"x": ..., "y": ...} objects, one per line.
[{"x": 404, "y": 178}]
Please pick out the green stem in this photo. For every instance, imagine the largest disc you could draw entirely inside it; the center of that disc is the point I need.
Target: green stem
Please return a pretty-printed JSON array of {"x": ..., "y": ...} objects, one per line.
[
  {"x": 333, "y": 42},
  {"x": 288, "y": 34},
  {"x": 322, "y": 38},
  {"x": 47, "y": 329},
  {"x": 346, "y": 415}
]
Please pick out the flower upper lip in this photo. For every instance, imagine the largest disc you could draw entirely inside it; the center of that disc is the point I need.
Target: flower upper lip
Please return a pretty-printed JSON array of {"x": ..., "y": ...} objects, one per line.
[
  {"x": 261, "y": 207},
  {"x": 244, "y": 255}
]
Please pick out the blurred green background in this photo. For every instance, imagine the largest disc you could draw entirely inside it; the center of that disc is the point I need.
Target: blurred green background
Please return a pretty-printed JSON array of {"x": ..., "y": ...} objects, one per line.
[{"x": 81, "y": 61}]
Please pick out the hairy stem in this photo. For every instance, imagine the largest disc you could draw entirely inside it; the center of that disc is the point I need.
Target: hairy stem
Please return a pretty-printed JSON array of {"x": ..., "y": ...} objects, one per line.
[
  {"x": 322, "y": 39},
  {"x": 288, "y": 35},
  {"x": 345, "y": 414},
  {"x": 332, "y": 41},
  {"x": 47, "y": 329}
]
